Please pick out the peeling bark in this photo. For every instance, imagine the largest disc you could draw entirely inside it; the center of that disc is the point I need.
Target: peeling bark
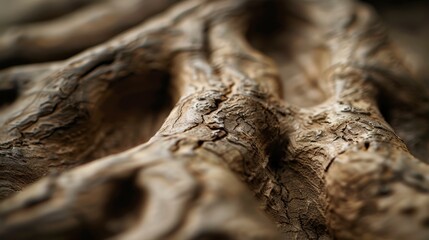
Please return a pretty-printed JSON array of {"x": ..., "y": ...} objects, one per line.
[{"x": 220, "y": 120}]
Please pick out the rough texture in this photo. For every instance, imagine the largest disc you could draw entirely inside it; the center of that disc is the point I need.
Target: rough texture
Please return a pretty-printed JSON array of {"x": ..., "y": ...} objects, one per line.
[{"x": 220, "y": 120}]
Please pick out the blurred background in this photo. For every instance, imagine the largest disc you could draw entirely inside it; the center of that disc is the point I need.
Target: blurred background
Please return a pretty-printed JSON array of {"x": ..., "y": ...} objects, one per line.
[
  {"x": 45, "y": 31},
  {"x": 34, "y": 31},
  {"x": 408, "y": 27}
]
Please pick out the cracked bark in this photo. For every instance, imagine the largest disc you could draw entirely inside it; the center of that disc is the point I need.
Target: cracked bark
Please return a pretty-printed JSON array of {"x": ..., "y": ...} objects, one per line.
[{"x": 220, "y": 120}]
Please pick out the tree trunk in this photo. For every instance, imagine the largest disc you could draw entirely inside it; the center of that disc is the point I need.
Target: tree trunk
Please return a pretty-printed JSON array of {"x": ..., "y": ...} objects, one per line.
[{"x": 212, "y": 120}]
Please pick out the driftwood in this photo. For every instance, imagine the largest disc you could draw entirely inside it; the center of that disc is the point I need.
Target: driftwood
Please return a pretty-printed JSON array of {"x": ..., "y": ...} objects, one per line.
[
  {"x": 220, "y": 120},
  {"x": 15, "y": 12},
  {"x": 67, "y": 35}
]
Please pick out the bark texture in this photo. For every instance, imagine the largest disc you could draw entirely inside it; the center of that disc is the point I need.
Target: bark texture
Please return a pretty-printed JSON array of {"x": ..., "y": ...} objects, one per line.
[{"x": 213, "y": 120}]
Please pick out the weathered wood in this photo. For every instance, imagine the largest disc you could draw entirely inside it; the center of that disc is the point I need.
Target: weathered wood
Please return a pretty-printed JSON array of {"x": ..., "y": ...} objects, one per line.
[
  {"x": 15, "y": 12},
  {"x": 324, "y": 164},
  {"x": 71, "y": 33}
]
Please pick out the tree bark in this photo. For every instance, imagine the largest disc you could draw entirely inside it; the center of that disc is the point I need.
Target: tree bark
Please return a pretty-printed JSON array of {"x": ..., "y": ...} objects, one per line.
[{"x": 217, "y": 120}]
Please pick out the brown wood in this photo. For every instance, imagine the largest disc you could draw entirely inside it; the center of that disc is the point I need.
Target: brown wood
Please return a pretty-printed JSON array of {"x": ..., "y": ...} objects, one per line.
[
  {"x": 221, "y": 120},
  {"x": 67, "y": 35}
]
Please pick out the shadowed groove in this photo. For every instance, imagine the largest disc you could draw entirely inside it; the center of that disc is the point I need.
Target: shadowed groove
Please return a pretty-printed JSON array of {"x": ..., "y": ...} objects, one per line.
[{"x": 322, "y": 168}]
